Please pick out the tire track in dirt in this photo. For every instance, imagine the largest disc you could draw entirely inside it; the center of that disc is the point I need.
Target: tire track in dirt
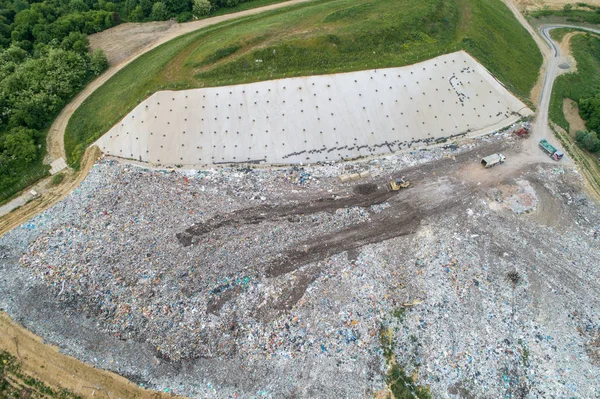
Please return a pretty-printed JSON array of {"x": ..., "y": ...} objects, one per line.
[
  {"x": 403, "y": 218},
  {"x": 273, "y": 213}
]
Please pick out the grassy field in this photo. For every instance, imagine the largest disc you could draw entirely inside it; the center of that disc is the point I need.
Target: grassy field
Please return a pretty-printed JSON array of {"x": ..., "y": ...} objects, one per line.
[
  {"x": 324, "y": 36},
  {"x": 584, "y": 83},
  {"x": 558, "y": 34}
]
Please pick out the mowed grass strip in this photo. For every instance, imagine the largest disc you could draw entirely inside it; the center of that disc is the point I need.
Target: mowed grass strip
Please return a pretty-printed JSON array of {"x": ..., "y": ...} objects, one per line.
[{"x": 320, "y": 37}]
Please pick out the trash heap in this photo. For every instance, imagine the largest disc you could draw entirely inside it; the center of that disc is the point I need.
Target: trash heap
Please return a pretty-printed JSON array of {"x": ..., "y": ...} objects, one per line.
[{"x": 214, "y": 282}]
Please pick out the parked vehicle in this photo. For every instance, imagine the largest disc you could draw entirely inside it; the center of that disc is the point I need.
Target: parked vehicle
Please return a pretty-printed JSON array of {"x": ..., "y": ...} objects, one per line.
[
  {"x": 522, "y": 132},
  {"x": 493, "y": 160},
  {"x": 550, "y": 150}
]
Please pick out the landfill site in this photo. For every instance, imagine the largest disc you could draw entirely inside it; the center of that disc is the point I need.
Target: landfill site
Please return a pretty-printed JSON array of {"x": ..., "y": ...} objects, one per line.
[
  {"x": 317, "y": 118},
  {"x": 258, "y": 281}
]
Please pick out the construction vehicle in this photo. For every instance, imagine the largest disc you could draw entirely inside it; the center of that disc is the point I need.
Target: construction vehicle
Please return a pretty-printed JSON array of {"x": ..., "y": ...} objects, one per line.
[
  {"x": 397, "y": 184},
  {"x": 522, "y": 132},
  {"x": 493, "y": 160},
  {"x": 550, "y": 150}
]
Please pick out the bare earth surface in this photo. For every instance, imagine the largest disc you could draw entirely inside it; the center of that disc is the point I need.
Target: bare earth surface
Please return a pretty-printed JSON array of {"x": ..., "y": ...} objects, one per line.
[
  {"x": 46, "y": 363},
  {"x": 530, "y": 5},
  {"x": 122, "y": 41},
  {"x": 571, "y": 111}
]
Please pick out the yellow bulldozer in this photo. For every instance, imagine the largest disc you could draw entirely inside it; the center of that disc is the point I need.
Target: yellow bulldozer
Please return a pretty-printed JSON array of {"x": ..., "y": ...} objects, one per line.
[{"x": 397, "y": 184}]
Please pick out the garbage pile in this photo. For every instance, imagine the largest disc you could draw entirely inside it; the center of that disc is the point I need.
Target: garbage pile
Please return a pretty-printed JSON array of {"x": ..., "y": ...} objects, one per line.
[{"x": 217, "y": 275}]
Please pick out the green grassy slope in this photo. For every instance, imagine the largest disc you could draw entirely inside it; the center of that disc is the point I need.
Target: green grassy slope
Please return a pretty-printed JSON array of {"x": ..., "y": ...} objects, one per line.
[
  {"x": 324, "y": 36},
  {"x": 584, "y": 83}
]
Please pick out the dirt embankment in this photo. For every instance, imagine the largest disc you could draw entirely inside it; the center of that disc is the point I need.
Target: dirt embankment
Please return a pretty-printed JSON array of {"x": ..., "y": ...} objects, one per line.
[
  {"x": 123, "y": 40},
  {"x": 46, "y": 363},
  {"x": 571, "y": 111}
]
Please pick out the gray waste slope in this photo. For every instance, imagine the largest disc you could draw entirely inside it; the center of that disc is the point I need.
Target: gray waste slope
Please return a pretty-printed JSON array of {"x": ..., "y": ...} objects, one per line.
[{"x": 275, "y": 283}]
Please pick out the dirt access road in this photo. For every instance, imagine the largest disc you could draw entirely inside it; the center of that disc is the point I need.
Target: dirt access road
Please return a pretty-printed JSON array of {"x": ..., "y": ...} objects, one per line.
[
  {"x": 557, "y": 58},
  {"x": 146, "y": 41},
  {"x": 531, "y": 5}
]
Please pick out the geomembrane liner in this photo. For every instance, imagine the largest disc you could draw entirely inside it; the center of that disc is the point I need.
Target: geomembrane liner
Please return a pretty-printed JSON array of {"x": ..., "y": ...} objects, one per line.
[{"x": 317, "y": 118}]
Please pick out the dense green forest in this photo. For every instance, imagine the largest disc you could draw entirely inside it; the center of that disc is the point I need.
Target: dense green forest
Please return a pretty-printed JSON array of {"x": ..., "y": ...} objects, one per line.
[{"x": 45, "y": 61}]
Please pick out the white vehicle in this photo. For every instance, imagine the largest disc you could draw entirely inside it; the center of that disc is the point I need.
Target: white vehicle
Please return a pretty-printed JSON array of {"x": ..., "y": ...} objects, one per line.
[{"x": 493, "y": 160}]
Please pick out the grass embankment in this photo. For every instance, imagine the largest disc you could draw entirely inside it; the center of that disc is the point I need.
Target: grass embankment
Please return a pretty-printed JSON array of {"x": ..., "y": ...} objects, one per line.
[
  {"x": 24, "y": 177},
  {"x": 315, "y": 38},
  {"x": 15, "y": 384},
  {"x": 585, "y": 83},
  {"x": 558, "y": 34}
]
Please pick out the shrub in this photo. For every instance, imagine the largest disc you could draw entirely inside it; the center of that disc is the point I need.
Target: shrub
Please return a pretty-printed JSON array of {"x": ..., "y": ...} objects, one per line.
[
  {"x": 201, "y": 7},
  {"x": 159, "y": 12},
  {"x": 99, "y": 61},
  {"x": 184, "y": 17},
  {"x": 57, "y": 179},
  {"x": 588, "y": 140},
  {"x": 589, "y": 109}
]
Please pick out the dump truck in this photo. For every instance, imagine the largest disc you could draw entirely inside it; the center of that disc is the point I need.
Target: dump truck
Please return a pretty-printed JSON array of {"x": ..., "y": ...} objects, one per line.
[
  {"x": 397, "y": 184},
  {"x": 493, "y": 160},
  {"x": 522, "y": 132},
  {"x": 550, "y": 150}
]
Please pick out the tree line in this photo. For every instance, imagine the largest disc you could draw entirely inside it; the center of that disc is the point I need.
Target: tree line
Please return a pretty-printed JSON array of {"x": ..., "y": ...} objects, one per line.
[
  {"x": 45, "y": 61},
  {"x": 589, "y": 109}
]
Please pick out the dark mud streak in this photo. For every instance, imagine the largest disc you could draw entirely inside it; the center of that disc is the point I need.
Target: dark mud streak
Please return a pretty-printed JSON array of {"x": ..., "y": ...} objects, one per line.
[
  {"x": 274, "y": 213},
  {"x": 351, "y": 238},
  {"x": 384, "y": 226}
]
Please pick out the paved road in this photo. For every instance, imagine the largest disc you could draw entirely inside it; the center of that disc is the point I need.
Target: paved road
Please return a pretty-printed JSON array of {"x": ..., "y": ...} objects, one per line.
[
  {"x": 13, "y": 204},
  {"x": 540, "y": 128}
]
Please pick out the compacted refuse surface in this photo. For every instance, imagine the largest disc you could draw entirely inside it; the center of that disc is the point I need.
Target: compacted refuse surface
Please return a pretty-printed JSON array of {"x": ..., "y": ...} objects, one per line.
[{"x": 237, "y": 282}]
